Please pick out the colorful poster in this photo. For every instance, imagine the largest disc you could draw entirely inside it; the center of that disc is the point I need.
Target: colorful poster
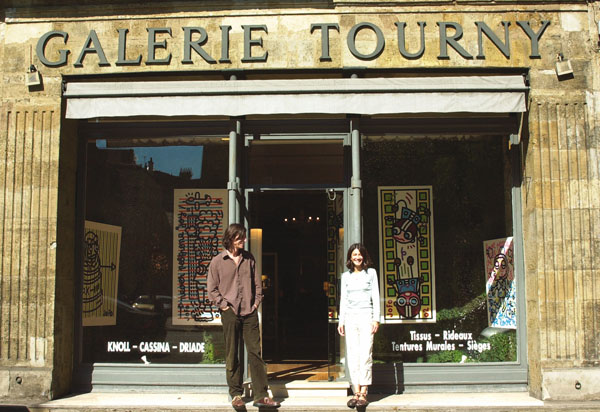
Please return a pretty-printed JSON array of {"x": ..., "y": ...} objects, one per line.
[
  {"x": 335, "y": 253},
  {"x": 102, "y": 248},
  {"x": 406, "y": 254},
  {"x": 501, "y": 285},
  {"x": 200, "y": 218}
]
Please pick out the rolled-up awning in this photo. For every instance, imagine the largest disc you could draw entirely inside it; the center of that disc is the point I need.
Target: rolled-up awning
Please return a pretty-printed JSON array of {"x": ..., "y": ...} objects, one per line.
[{"x": 364, "y": 96}]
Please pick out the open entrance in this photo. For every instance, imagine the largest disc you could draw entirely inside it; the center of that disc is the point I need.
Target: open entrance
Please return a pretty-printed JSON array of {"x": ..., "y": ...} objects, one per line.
[{"x": 295, "y": 278}]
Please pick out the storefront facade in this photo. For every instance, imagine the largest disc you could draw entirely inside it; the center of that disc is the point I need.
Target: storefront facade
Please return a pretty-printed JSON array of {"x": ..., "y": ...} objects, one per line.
[{"x": 458, "y": 142}]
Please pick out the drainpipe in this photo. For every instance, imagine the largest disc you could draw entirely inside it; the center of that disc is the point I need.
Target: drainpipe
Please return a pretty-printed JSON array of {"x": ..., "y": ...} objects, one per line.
[
  {"x": 233, "y": 184},
  {"x": 355, "y": 186}
]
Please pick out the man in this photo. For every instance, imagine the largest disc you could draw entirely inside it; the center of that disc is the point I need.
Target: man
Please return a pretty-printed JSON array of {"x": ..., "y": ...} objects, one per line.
[{"x": 236, "y": 289}]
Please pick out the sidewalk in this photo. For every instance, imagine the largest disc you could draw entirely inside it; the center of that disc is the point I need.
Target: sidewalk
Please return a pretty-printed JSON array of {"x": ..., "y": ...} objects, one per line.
[{"x": 421, "y": 402}]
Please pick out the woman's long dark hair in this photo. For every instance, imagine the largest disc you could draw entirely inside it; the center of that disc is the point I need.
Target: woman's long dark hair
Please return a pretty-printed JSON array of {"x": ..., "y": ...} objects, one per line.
[
  {"x": 367, "y": 262},
  {"x": 231, "y": 233}
]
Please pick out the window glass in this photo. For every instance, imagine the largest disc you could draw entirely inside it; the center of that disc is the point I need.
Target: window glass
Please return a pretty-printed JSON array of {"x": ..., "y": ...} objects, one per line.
[
  {"x": 128, "y": 284},
  {"x": 443, "y": 241},
  {"x": 297, "y": 162}
]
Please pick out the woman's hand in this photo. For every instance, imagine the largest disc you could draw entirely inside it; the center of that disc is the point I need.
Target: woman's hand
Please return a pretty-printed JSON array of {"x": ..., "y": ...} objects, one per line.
[
  {"x": 341, "y": 330},
  {"x": 374, "y": 327}
]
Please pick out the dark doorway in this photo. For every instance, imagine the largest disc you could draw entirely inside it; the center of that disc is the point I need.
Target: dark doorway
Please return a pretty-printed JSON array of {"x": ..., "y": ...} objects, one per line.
[{"x": 295, "y": 265}]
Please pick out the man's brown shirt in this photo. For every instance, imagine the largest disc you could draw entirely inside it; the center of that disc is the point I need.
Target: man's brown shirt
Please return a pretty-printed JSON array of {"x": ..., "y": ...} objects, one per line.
[{"x": 236, "y": 286}]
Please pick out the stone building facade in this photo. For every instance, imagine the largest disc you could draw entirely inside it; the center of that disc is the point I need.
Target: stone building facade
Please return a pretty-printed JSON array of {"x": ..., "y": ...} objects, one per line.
[{"x": 70, "y": 42}]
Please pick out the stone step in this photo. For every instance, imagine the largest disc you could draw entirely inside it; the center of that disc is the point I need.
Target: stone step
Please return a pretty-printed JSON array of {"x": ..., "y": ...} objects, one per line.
[
  {"x": 308, "y": 388},
  {"x": 421, "y": 402}
]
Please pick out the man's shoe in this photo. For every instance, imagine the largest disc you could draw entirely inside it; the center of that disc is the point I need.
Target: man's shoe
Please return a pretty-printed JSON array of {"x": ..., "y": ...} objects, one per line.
[
  {"x": 266, "y": 402},
  {"x": 238, "y": 402},
  {"x": 352, "y": 402}
]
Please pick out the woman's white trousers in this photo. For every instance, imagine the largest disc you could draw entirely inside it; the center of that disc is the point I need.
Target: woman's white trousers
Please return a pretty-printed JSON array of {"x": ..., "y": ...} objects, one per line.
[{"x": 359, "y": 348}]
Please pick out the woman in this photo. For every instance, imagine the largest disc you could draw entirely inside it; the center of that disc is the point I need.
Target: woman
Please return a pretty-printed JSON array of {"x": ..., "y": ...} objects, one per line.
[{"x": 359, "y": 319}]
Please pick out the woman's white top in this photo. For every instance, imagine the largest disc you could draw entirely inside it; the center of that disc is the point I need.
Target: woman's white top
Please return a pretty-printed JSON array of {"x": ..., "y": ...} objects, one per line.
[{"x": 359, "y": 295}]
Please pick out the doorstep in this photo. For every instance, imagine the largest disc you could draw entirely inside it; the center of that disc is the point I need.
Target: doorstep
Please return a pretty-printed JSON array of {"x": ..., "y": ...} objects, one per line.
[{"x": 307, "y": 388}]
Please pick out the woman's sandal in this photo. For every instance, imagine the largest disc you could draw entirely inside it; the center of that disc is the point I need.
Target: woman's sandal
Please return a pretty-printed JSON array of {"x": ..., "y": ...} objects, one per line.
[
  {"x": 353, "y": 401},
  {"x": 362, "y": 400}
]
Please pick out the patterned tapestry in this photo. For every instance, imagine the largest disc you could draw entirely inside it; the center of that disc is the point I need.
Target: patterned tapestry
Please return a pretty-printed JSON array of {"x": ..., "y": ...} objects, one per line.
[
  {"x": 407, "y": 262},
  {"x": 501, "y": 285},
  {"x": 200, "y": 218},
  {"x": 102, "y": 248}
]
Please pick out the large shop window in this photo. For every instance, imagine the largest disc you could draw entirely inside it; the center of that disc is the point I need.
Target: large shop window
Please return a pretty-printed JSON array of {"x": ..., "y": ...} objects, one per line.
[
  {"x": 437, "y": 213},
  {"x": 132, "y": 305}
]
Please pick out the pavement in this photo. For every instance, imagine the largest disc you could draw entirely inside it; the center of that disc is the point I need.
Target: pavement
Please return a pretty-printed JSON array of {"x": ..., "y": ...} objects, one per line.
[{"x": 418, "y": 402}]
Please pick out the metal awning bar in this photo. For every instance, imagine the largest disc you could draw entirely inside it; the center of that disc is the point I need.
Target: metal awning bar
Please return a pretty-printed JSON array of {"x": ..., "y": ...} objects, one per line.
[
  {"x": 370, "y": 96},
  {"x": 297, "y": 86}
]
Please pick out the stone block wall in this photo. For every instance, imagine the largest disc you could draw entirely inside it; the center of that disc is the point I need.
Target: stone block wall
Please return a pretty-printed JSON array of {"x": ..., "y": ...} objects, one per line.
[
  {"x": 29, "y": 143},
  {"x": 561, "y": 189},
  {"x": 562, "y": 213}
]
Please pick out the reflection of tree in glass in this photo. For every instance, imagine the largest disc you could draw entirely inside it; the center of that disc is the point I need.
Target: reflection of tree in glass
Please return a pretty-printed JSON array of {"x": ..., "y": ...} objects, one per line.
[{"x": 504, "y": 348}]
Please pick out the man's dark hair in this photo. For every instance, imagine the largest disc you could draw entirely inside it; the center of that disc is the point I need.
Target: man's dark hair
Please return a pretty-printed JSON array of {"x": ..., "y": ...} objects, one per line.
[
  {"x": 367, "y": 262},
  {"x": 232, "y": 232}
]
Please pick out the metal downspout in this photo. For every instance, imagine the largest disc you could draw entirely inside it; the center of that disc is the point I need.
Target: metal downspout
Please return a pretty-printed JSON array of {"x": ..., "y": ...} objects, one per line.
[
  {"x": 355, "y": 186},
  {"x": 233, "y": 184}
]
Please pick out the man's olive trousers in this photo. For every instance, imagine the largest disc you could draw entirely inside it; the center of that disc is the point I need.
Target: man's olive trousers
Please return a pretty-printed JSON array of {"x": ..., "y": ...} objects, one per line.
[{"x": 235, "y": 326}]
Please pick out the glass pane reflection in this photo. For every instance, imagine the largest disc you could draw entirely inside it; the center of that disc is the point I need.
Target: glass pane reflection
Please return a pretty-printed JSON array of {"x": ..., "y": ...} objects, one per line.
[
  {"x": 470, "y": 180},
  {"x": 132, "y": 188}
]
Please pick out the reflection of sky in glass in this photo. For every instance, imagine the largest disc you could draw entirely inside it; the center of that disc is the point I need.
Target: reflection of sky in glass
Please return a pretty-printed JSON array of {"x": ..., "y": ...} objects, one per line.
[
  {"x": 171, "y": 159},
  {"x": 168, "y": 159}
]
